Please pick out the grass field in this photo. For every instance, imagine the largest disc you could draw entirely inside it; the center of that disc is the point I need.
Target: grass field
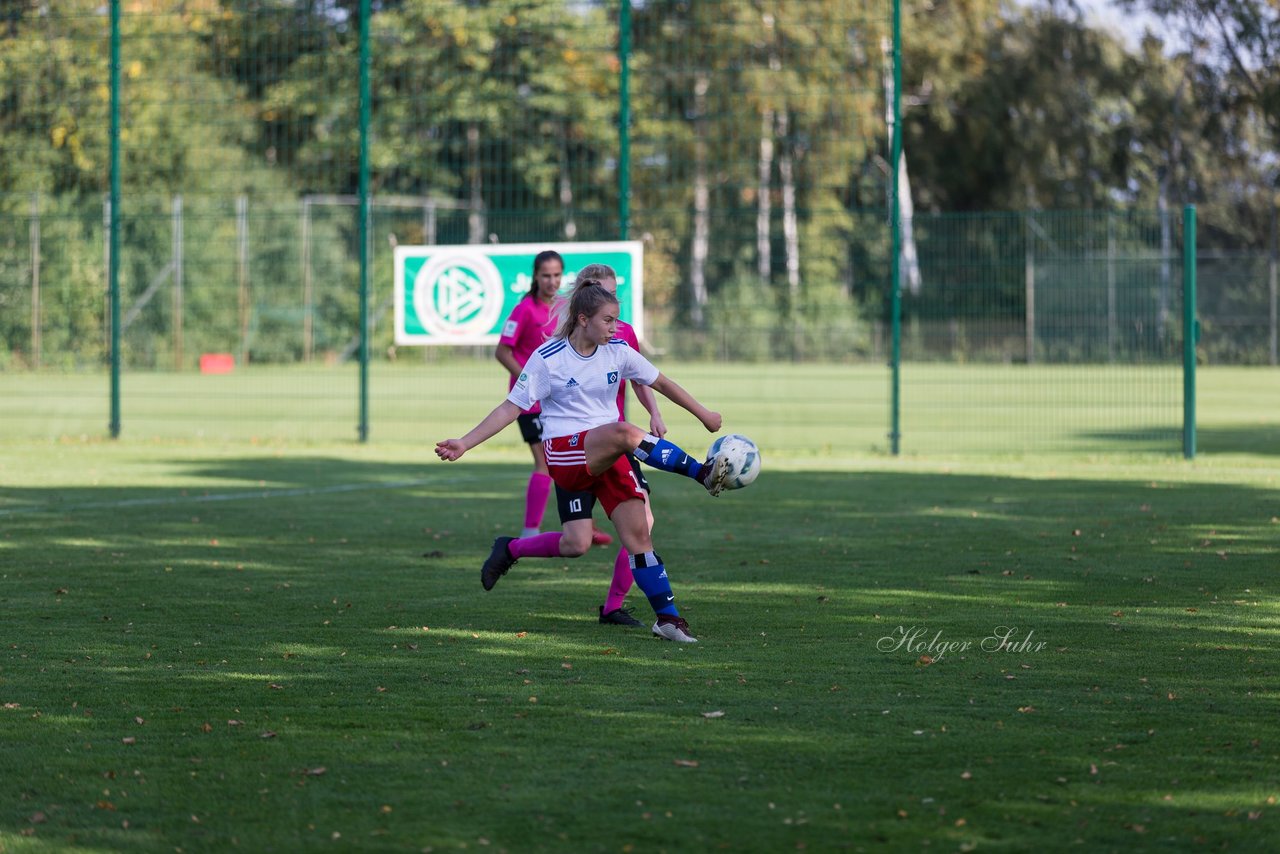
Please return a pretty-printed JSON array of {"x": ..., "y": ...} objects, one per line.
[
  {"x": 821, "y": 410},
  {"x": 211, "y": 644}
]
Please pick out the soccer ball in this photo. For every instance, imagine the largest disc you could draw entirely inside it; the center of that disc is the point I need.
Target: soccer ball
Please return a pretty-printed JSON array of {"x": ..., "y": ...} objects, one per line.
[{"x": 743, "y": 456}]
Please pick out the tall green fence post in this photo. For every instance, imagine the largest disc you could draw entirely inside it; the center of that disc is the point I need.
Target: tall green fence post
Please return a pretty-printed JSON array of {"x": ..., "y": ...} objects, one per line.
[
  {"x": 363, "y": 230},
  {"x": 113, "y": 225},
  {"x": 1190, "y": 331},
  {"x": 624, "y": 119},
  {"x": 895, "y": 227}
]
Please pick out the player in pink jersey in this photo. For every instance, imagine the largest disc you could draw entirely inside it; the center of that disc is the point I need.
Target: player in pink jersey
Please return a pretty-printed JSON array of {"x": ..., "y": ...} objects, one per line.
[{"x": 612, "y": 612}]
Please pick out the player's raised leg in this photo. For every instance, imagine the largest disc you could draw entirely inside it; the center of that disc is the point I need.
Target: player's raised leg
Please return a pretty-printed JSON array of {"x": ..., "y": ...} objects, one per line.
[{"x": 606, "y": 443}]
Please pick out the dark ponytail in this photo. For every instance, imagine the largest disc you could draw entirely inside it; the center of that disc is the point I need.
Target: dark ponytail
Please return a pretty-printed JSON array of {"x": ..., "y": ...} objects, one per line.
[{"x": 538, "y": 260}]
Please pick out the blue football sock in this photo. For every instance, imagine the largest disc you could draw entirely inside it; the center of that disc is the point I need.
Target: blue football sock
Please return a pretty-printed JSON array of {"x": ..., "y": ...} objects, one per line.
[
  {"x": 651, "y": 578},
  {"x": 667, "y": 456}
]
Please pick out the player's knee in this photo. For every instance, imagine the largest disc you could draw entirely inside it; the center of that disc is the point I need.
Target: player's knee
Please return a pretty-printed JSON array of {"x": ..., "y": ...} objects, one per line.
[
  {"x": 629, "y": 436},
  {"x": 573, "y": 544}
]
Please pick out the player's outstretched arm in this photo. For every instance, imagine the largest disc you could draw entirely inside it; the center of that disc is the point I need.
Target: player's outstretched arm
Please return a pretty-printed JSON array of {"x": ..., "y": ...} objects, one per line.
[
  {"x": 670, "y": 389},
  {"x": 502, "y": 415},
  {"x": 649, "y": 401}
]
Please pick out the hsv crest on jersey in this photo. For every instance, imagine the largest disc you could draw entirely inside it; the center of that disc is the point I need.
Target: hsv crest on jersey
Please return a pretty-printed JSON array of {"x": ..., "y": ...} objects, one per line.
[{"x": 613, "y": 377}]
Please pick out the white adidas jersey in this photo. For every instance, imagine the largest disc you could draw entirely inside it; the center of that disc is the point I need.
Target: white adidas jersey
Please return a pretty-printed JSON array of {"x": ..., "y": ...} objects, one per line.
[{"x": 578, "y": 392}]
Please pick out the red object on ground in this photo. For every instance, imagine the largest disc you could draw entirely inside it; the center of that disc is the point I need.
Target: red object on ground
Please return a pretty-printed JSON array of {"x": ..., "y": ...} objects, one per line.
[{"x": 217, "y": 363}]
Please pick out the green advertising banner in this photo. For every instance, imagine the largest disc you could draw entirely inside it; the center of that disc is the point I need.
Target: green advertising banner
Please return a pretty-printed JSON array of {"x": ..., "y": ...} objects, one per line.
[{"x": 463, "y": 294}]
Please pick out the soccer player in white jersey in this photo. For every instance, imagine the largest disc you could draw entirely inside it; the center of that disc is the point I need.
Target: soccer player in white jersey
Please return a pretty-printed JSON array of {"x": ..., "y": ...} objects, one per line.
[{"x": 575, "y": 376}]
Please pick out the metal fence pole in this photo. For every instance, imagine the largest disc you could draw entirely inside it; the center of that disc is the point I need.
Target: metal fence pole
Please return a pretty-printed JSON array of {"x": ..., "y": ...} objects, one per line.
[
  {"x": 306, "y": 279},
  {"x": 1272, "y": 263},
  {"x": 242, "y": 274},
  {"x": 363, "y": 429},
  {"x": 35, "y": 281},
  {"x": 1190, "y": 331},
  {"x": 1029, "y": 284},
  {"x": 178, "y": 294},
  {"x": 1111, "y": 287},
  {"x": 624, "y": 119},
  {"x": 895, "y": 239},
  {"x": 113, "y": 225}
]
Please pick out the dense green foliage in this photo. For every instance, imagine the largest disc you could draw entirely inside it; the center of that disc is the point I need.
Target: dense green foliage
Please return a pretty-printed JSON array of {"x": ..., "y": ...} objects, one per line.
[{"x": 759, "y": 156}]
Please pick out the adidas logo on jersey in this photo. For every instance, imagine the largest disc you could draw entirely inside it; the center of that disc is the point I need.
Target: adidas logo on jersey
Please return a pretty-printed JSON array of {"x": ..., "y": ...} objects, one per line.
[{"x": 572, "y": 383}]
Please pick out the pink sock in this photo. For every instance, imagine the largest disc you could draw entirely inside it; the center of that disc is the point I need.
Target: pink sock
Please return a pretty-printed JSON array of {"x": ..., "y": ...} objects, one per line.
[
  {"x": 535, "y": 499},
  {"x": 621, "y": 584},
  {"x": 543, "y": 545}
]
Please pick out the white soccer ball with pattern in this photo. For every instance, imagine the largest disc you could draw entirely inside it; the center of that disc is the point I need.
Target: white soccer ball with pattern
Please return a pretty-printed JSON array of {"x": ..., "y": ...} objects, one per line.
[{"x": 743, "y": 456}]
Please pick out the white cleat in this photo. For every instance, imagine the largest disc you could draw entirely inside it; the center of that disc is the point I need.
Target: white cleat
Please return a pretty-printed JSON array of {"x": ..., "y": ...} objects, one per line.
[
  {"x": 673, "y": 629},
  {"x": 717, "y": 473}
]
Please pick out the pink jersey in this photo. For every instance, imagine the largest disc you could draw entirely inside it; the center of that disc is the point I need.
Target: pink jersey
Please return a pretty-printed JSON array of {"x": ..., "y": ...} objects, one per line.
[
  {"x": 626, "y": 333},
  {"x": 530, "y": 325}
]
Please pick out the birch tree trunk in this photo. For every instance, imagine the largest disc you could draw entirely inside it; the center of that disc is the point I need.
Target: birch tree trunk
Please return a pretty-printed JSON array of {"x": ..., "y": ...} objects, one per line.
[
  {"x": 764, "y": 255},
  {"x": 701, "y": 203},
  {"x": 790, "y": 223},
  {"x": 476, "y": 225},
  {"x": 566, "y": 187}
]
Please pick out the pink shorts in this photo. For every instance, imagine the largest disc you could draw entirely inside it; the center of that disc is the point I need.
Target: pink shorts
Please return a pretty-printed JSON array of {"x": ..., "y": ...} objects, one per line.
[{"x": 567, "y": 462}]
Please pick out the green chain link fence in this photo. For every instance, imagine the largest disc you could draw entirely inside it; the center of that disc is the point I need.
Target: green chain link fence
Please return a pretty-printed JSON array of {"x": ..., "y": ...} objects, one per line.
[{"x": 746, "y": 145}]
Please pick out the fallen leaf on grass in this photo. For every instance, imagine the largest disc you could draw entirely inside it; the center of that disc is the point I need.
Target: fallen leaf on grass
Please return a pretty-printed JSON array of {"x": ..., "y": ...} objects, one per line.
[
  {"x": 1026, "y": 709},
  {"x": 13, "y": 705},
  {"x": 139, "y": 721},
  {"x": 433, "y": 554},
  {"x": 38, "y": 818},
  {"x": 715, "y": 714},
  {"x": 275, "y": 686},
  {"x": 267, "y": 734},
  {"x": 967, "y": 775},
  {"x": 522, "y": 634},
  {"x": 128, "y": 739},
  {"x": 315, "y": 772},
  {"x": 234, "y": 722},
  {"x": 686, "y": 763}
]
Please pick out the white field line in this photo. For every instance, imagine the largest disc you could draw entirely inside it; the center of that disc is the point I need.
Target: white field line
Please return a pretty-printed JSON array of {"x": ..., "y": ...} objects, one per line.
[{"x": 165, "y": 501}]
